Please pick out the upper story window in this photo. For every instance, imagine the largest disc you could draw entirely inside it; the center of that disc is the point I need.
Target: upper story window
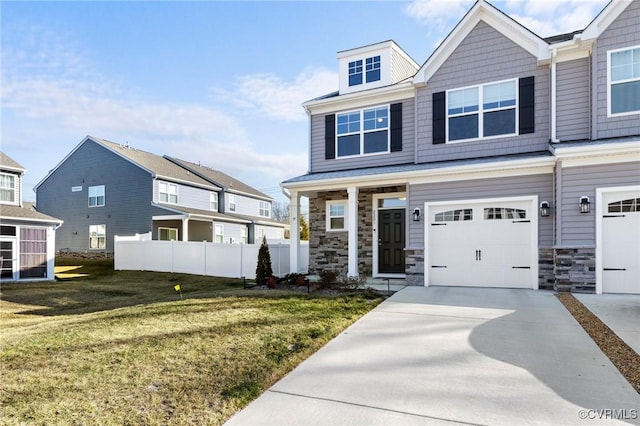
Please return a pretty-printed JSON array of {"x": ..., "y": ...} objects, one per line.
[
  {"x": 214, "y": 201},
  {"x": 265, "y": 209},
  {"x": 168, "y": 192},
  {"x": 624, "y": 81},
  {"x": 7, "y": 188},
  {"x": 482, "y": 111},
  {"x": 363, "y": 132},
  {"x": 96, "y": 196},
  {"x": 232, "y": 203},
  {"x": 371, "y": 70}
]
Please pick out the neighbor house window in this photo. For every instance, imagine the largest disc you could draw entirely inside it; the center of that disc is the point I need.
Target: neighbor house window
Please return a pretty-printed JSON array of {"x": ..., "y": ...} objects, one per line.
[
  {"x": 363, "y": 132},
  {"x": 168, "y": 234},
  {"x": 482, "y": 111},
  {"x": 168, "y": 192},
  {"x": 7, "y": 188},
  {"x": 214, "y": 201},
  {"x": 97, "y": 236},
  {"x": 232, "y": 203},
  {"x": 96, "y": 196},
  {"x": 336, "y": 215},
  {"x": 624, "y": 81},
  {"x": 243, "y": 235},
  {"x": 265, "y": 209},
  {"x": 218, "y": 236}
]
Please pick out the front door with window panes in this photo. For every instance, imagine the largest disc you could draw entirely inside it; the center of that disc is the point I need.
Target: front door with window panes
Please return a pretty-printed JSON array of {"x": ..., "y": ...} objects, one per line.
[{"x": 391, "y": 241}]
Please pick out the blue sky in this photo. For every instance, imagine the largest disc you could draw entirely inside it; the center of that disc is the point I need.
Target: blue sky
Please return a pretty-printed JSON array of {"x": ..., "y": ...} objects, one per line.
[{"x": 211, "y": 81}]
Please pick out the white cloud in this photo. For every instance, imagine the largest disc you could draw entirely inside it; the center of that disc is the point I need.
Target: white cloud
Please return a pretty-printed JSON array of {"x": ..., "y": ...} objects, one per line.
[{"x": 278, "y": 98}]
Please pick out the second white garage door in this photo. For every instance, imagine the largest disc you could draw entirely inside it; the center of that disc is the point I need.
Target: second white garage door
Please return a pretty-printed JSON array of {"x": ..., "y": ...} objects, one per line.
[{"x": 485, "y": 243}]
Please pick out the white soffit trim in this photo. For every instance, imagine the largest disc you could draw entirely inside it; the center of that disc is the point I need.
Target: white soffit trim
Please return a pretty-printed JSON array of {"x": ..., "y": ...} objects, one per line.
[
  {"x": 357, "y": 100},
  {"x": 609, "y": 14},
  {"x": 623, "y": 152},
  {"x": 483, "y": 11},
  {"x": 445, "y": 174}
]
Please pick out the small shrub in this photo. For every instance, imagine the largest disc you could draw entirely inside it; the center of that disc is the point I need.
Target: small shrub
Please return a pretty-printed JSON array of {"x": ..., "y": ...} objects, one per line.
[
  {"x": 328, "y": 278},
  {"x": 352, "y": 283},
  {"x": 263, "y": 268}
]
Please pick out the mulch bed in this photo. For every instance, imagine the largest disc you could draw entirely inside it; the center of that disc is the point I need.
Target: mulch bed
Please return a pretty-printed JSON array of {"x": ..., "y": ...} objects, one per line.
[{"x": 626, "y": 360}]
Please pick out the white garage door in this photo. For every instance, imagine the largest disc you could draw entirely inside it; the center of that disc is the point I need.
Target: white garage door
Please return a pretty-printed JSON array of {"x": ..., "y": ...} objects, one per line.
[
  {"x": 486, "y": 244},
  {"x": 621, "y": 242}
]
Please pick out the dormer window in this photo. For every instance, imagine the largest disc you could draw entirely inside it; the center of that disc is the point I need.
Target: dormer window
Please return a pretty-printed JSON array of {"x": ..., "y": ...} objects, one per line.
[
  {"x": 372, "y": 70},
  {"x": 7, "y": 188}
]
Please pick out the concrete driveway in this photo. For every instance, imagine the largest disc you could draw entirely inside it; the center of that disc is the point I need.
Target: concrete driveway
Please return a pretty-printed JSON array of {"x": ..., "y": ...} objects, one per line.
[{"x": 445, "y": 355}]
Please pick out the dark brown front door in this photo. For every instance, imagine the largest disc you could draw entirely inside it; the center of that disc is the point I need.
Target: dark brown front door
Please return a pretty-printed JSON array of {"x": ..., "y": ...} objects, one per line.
[{"x": 391, "y": 227}]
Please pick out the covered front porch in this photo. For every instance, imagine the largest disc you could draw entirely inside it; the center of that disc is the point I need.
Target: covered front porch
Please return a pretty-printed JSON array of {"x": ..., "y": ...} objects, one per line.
[
  {"x": 354, "y": 229},
  {"x": 198, "y": 225}
]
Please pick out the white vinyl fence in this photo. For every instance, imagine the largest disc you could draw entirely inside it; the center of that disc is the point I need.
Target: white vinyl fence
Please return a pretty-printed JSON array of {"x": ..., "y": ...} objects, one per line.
[{"x": 202, "y": 258}]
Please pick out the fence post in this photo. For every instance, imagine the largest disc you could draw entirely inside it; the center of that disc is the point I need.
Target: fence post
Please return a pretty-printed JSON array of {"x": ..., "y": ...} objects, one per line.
[
  {"x": 171, "y": 252},
  {"x": 204, "y": 243},
  {"x": 241, "y": 258}
]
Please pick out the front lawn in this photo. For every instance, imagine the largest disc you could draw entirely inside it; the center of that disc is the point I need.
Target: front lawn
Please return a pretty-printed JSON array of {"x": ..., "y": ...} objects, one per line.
[{"x": 122, "y": 347}]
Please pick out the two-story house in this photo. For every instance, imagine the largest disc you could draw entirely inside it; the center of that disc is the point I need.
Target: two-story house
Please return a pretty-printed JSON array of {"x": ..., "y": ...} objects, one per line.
[
  {"x": 27, "y": 237},
  {"x": 505, "y": 160},
  {"x": 102, "y": 189}
]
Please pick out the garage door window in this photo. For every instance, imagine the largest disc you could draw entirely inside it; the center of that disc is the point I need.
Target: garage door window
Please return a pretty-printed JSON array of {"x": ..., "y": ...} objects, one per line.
[
  {"x": 625, "y": 206},
  {"x": 454, "y": 215},
  {"x": 497, "y": 213}
]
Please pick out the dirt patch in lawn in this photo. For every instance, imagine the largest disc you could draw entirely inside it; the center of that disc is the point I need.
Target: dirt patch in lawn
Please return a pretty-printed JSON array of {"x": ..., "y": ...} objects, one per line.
[{"x": 626, "y": 360}]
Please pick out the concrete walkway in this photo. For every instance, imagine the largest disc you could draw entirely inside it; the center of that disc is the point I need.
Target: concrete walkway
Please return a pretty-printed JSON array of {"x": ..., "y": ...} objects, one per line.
[
  {"x": 620, "y": 312},
  {"x": 443, "y": 356}
]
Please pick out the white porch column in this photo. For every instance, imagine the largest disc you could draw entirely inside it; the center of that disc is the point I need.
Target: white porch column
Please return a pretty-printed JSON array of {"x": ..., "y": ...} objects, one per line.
[
  {"x": 185, "y": 229},
  {"x": 352, "y": 227},
  {"x": 294, "y": 233}
]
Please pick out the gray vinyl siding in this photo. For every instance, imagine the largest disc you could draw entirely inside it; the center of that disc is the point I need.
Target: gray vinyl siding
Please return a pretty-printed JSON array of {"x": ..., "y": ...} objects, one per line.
[
  {"x": 128, "y": 192},
  {"x": 517, "y": 186},
  {"x": 578, "y": 229},
  {"x": 484, "y": 56},
  {"x": 623, "y": 32},
  {"x": 573, "y": 90},
  {"x": 319, "y": 164},
  {"x": 188, "y": 196},
  {"x": 249, "y": 206},
  {"x": 232, "y": 231}
]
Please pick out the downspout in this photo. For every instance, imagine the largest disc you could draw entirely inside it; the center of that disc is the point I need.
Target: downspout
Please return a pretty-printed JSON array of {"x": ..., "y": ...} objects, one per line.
[
  {"x": 554, "y": 57},
  {"x": 415, "y": 125}
]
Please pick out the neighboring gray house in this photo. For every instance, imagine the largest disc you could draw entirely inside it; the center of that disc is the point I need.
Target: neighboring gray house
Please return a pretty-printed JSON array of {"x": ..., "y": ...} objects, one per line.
[
  {"x": 27, "y": 237},
  {"x": 505, "y": 160},
  {"x": 102, "y": 189}
]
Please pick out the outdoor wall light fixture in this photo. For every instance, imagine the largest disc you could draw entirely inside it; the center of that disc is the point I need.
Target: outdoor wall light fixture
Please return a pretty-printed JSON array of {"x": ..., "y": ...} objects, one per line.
[
  {"x": 416, "y": 214},
  {"x": 585, "y": 204},
  {"x": 544, "y": 209}
]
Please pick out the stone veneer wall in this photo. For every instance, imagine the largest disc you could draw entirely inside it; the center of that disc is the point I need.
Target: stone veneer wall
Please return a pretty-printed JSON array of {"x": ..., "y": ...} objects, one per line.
[
  {"x": 575, "y": 269},
  {"x": 414, "y": 267},
  {"x": 328, "y": 250},
  {"x": 546, "y": 266}
]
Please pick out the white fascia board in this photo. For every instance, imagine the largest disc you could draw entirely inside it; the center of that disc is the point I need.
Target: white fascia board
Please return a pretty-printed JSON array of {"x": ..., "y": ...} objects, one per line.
[
  {"x": 35, "y": 188},
  {"x": 622, "y": 152},
  {"x": 17, "y": 220},
  {"x": 357, "y": 100},
  {"x": 483, "y": 11},
  {"x": 363, "y": 50},
  {"x": 445, "y": 174},
  {"x": 186, "y": 183},
  {"x": 573, "y": 49},
  {"x": 605, "y": 18},
  {"x": 246, "y": 194}
]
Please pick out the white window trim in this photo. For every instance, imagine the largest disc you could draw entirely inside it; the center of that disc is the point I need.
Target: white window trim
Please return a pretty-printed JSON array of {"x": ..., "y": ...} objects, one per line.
[
  {"x": 160, "y": 228},
  {"x": 264, "y": 206},
  {"x": 160, "y": 192},
  {"x": 216, "y": 233},
  {"x": 481, "y": 111},
  {"x": 16, "y": 182},
  {"x": 213, "y": 198},
  {"x": 362, "y": 132},
  {"x": 105, "y": 237},
  {"x": 244, "y": 235},
  {"x": 609, "y": 52},
  {"x": 328, "y": 216},
  {"x": 232, "y": 202},
  {"x": 104, "y": 196}
]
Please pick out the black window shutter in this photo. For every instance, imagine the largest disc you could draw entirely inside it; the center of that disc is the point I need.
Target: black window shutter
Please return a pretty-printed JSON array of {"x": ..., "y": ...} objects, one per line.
[
  {"x": 526, "y": 94},
  {"x": 439, "y": 117},
  {"x": 330, "y": 137},
  {"x": 396, "y": 127}
]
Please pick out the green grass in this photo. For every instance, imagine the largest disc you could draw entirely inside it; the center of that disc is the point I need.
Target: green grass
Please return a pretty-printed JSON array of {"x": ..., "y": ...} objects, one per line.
[{"x": 117, "y": 347}]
